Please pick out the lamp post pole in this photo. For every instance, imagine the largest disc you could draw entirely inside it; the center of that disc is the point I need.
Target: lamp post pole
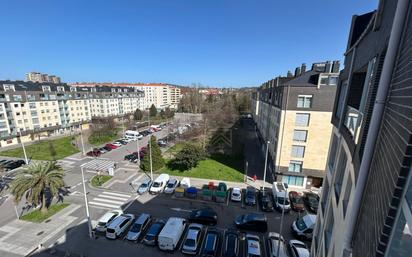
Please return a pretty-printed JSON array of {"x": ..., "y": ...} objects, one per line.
[
  {"x": 89, "y": 223},
  {"x": 150, "y": 149},
  {"x": 281, "y": 219},
  {"x": 266, "y": 164},
  {"x": 81, "y": 139},
  {"x": 24, "y": 149}
]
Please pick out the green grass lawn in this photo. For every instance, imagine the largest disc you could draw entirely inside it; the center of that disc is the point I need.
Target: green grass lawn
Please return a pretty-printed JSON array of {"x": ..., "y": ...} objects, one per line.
[
  {"x": 208, "y": 169},
  {"x": 37, "y": 216},
  {"x": 103, "y": 138},
  {"x": 41, "y": 150},
  {"x": 99, "y": 180}
]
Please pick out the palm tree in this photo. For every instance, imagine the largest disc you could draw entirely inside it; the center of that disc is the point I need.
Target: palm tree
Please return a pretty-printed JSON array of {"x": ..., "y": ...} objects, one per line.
[{"x": 37, "y": 179}]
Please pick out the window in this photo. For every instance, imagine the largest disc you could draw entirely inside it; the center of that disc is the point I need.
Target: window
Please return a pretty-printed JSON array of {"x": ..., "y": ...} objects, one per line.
[
  {"x": 323, "y": 80},
  {"x": 332, "y": 153},
  {"x": 300, "y": 135},
  {"x": 333, "y": 81},
  {"x": 340, "y": 172},
  {"x": 293, "y": 180},
  {"x": 72, "y": 89},
  {"x": 46, "y": 88},
  {"x": 8, "y": 87},
  {"x": 346, "y": 196},
  {"x": 401, "y": 245},
  {"x": 295, "y": 166},
  {"x": 304, "y": 101},
  {"x": 17, "y": 97},
  {"x": 16, "y": 105},
  {"x": 298, "y": 151},
  {"x": 302, "y": 119},
  {"x": 60, "y": 89}
]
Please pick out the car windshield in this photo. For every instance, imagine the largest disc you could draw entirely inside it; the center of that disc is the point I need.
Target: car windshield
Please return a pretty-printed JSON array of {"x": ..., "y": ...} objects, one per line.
[
  {"x": 170, "y": 185},
  {"x": 156, "y": 184},
  {"x": 298, "y": 200},
  {"x": 101, "y": 223},
  {"x": 313, "y": 200},
  {"x": 144, "y": 185},
  {"x": 282, "y": 200},
  {"x": 210, "y": 240},
  {"x": 231, "y": 244},
  {"x": 235, "y": 194},
  {"x": 110, "y": 230},
  {"x": 190, "y": 242},
  {"x": 149, "y": 237},
  {"x": 301, "y": 224},
  {"x": 136, "y": 228}
]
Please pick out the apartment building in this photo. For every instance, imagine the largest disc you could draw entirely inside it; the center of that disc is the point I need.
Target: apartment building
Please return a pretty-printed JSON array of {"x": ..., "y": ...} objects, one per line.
[
  {"x": 40, "y": 77},
  {"x": 28, "y": 108},
  {"x": 161, "y": 95},
  {"x": 366, "y": 203},
  {"x": 293, "y": 114}
]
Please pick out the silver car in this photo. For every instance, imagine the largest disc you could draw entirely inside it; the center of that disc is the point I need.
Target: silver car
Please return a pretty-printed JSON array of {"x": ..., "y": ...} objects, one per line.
[
  {"x": 192, "y": 242},
  {"x": 171, "y": 186},
  {"x": 139, "y": 226},
  {"x": 144, "y": 187}
]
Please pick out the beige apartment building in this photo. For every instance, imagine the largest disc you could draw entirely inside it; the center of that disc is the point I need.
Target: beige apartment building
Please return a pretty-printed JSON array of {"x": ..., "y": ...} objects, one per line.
[
  {"x": 40, "y": 77},
  {"x": 293, "y": 113},
  {"x": 46, "y": 109},
  {"x": 161, "y": 95}
]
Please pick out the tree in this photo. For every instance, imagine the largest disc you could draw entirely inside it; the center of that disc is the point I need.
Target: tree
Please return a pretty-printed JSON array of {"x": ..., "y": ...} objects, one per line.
[
  {"x": 169, "y": 113},
  {"x": 157, "y": 158},
  {"x": 163, "y": 114},
  {"x": 37, "y": 180},
  {"x": 153, "y": 111},
  {"x": 188, "y": 157},
  {"x": 52, "y": 151},
  {"x": 138, "y": 114}
]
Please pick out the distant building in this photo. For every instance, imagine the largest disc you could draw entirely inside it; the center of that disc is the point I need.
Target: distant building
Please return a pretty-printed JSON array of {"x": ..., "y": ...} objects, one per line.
[
  {"x": 294, "y": 114},
  {"x": 40, "y": 77},
  {"x": 366, "y": 204}
]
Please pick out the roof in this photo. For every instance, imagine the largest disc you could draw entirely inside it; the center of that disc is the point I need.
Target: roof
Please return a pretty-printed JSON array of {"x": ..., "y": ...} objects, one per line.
[
  {"x": 109, "y": 84},
  {"x": 169, "y": 230}
]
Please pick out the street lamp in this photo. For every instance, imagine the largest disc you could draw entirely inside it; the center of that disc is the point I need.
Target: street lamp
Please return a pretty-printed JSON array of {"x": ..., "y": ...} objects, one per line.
[
  {"x": 283, "y": 212},
  {"x": 138, "y": 151},
  {"x": 81, "y": 139},
  {"x": 89, "y": 222},
  {"x": 266, "y": 164},
  {"x": 150, "y": 149},
  {"x": 24, "y": 149}
]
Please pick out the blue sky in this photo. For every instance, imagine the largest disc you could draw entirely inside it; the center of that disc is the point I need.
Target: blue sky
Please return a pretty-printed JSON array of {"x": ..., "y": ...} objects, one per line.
[{"x": 212, "y": 42}]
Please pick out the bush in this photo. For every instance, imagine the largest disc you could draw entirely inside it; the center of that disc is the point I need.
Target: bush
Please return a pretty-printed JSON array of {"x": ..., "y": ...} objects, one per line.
[
  {"x": 157, "y": 158},
  {"x": 188, "y": 157}
]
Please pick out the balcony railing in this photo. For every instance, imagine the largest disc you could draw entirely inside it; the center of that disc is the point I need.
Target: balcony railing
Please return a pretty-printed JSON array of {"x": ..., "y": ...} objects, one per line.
[{"x": 353, "y": 121}]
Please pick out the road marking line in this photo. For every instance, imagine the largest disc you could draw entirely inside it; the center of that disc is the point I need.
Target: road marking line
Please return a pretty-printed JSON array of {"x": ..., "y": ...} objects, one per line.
[
  {"x": 116, "y": 194},
  {"x": 107, "y": 201},
  {"x": 105, "y": 205},
  {"x": 114, "y": 197}
]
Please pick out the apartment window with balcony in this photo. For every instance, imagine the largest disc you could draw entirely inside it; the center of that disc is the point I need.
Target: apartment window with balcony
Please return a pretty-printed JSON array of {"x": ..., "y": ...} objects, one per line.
[
  {"x": 295, "y": 166},
  {"x": 302, "y": 119},
  {"x": 333, "y": 80},
  {"x": 340, "y": 172},
  {"x": 45, "y": 88},
  {"x": 323, "y": 80},
  {"x": 3, "y": 124},
  {"x": 17, "y": 97},
  {"x": 298, "y": 151},
  {"x": 300, "y": 135}
]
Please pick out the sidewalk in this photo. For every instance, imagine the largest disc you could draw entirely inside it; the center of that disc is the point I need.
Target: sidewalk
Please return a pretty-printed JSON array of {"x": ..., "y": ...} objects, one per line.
[{"x": 22, "y": 237}]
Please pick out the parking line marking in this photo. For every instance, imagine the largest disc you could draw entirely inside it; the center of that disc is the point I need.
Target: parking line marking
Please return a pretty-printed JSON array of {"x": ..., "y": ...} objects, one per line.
[{"x": 116, "y": 194}]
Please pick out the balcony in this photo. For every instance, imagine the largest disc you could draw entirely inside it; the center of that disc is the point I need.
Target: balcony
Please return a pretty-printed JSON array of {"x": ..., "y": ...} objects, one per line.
[{"x": 353, "y": 121}]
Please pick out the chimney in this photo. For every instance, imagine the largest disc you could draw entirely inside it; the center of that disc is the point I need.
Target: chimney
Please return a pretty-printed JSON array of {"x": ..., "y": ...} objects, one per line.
[
  {"x": 335, "y": 67},
  {"x": 289, "y": 75},
  {"x": 303, "y": 68},
  {"x": 328, "y": 67},
  {"x": 297, "y": 72}
]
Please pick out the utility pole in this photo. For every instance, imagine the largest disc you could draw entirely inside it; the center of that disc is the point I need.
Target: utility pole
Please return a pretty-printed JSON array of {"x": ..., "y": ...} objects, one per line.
[
  {"x": 150, "y": 149},
  {"x": 24, "y": 149},
  {"x": 283, "y": 213},
  {"x": 89, "y": 222},
  {"x": 266, "y": 164},
  {"x": 81, "y": 139}
]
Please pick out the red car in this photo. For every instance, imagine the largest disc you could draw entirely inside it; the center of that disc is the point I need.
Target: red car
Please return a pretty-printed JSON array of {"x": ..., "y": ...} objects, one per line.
[
  {"x": 296, "y": 201},
  {"x": 111, "y": 146},
  {"x": 94, "y": 153}
]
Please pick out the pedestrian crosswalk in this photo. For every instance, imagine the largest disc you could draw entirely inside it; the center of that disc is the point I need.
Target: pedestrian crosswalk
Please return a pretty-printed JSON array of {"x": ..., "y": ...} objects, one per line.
[{"x": 109, "y": 200}]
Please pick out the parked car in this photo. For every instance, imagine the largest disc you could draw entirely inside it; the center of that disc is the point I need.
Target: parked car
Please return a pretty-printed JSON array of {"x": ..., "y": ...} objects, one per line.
[
  {"x": 171, "y": 233},
  {"x": 192, "y": 241},
  {"x": 252, "y": 221},
  {"x": 144, "y": 186},
  {"x": 117, "y": 143},
  {"x": 311, "y": 201},
  {"x": 231, "y": 245},
  {"x": 130, "y": 157},
  {"x": 111, "y": 146},
  {"x": 253, "y": 248},
  {"x": 119, "y": 226},
  {"x": 103, "y": 150},
  {"x": 107, "y": 148},
  {"x": 153, "y": 232},
  {"x": 122, "y": 141},
  {"x": 206, "y": 216},
  {"x": 139, "y": 226},
  {"x": 106, "y": 219},
  {"x": 161, "y": 143},
  {"x": 127, "y": 139},
  {"x": 250, "y": 196},
  {"x": 298, "y": 248},
  {"x": 185, "y": 182},
  {"x": 303, "y": 227},
  {"x": 236, "y": 195},
  {"x": 94, "y": 153},
  {"x": 276, "y": 241},
  {"x": 13, "y": 165},
  {"x": 266, "y": 203},
  {"x": 211, "y": 243},
  {"x": 281, "y": 198},
  {"x": 296, "y": 201},
  {"x": 171, "y": 186},
  {"x": 159, "y": 184}
]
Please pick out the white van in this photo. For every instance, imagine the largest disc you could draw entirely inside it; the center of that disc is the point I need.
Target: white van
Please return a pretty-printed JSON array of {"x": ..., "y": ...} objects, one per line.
[
  {"x": 185, "y": 183},
  {"x": 159, "y": 184},
  {"x": 119, "y": 226},
  {"x": 171, "y": 233},
  {"x": 280, "y": 196},
  {"x": 304, "y": 226},
  {"x": 132, "y": 135}
]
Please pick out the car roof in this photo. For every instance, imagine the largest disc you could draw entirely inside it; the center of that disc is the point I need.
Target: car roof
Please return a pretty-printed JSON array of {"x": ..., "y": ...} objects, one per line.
[
  {"x": 303, "y": 252},
  {"x": 253, "y": 245},
  {"x": 172, "y": 180},
  {"x": 142, "y": 218},
  {"x": 236, "y": 189},
  {"x": 256, "y": 216},
  {"x": 118, "y": 220},
  {"x": 108, "y": 215},
  {"x": 193, "y": 231}
]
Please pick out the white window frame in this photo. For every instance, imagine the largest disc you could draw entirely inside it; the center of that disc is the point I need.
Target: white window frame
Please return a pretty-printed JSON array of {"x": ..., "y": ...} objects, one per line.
[
  {"x": 300, "y": 130},
  {"x": 305, "y": 99}
]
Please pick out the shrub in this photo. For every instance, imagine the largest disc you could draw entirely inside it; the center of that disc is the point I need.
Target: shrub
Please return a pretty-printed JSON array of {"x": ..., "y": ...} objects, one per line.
[{"x": 188, "y": 157}]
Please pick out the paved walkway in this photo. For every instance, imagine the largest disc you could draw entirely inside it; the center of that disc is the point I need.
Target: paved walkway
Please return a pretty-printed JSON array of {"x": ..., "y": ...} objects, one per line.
[{"x": 21, "y": 237}]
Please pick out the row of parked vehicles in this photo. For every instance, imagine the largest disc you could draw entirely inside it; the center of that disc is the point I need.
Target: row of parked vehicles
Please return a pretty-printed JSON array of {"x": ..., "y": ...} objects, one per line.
[
  {"x": 8, "y": 165},
  {"x": 197, "y": 234}
]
